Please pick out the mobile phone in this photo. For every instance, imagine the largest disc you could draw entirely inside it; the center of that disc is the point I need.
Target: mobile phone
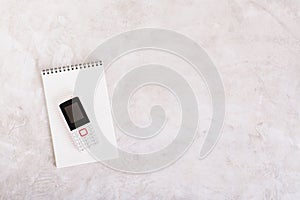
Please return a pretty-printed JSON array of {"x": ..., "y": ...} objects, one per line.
[{"x": 81, "y": 130}]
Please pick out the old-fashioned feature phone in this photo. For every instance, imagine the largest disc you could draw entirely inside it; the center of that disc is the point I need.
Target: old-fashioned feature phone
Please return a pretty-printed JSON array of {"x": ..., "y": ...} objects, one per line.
[{"x": 81, "y": 130}]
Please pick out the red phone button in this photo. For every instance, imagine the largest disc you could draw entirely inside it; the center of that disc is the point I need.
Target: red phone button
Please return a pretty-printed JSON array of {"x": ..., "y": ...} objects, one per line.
[{"x": 83, "y": 132}]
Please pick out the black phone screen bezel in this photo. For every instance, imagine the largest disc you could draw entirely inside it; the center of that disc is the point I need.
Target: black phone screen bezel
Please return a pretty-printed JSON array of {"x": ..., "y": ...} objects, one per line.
[{"x": 78, "y": 123}]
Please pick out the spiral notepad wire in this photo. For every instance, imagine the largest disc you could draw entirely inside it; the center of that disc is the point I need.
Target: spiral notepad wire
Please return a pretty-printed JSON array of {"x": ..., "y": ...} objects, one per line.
[{"x": 66, "y": 68}]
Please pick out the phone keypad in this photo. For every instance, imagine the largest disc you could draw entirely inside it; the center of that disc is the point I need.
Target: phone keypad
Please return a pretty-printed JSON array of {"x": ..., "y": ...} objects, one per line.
[{"x": 84, "y": 137}]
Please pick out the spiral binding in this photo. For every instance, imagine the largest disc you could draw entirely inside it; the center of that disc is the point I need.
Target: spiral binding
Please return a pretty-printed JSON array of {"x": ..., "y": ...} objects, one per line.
[{"x": 66, "y": 68}]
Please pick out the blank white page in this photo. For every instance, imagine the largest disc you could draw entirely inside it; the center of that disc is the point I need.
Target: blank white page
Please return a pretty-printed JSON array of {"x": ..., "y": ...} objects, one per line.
[{"x": 59, "y": 87}]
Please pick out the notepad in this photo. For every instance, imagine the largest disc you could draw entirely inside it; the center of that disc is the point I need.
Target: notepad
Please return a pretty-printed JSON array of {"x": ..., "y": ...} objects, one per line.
[{"x": 59, "y": 85}]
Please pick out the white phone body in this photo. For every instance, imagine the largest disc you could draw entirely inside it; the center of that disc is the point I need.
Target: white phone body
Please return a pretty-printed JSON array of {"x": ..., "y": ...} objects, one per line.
[{"x": 81, "y": 130}]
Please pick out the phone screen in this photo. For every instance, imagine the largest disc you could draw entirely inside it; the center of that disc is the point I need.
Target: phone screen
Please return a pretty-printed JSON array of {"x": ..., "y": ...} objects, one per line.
[{"x": 74, "y": 113}]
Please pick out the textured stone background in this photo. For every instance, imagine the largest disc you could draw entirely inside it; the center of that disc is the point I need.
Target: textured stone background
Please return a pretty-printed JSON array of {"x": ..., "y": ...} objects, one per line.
[{"x": 256, "y": 48}]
